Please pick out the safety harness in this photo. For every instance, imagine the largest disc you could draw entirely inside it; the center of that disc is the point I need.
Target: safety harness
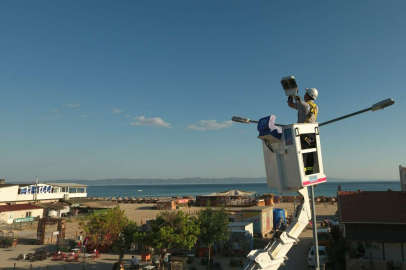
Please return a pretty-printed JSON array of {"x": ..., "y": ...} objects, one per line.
[{"x": 312, "y": 111}]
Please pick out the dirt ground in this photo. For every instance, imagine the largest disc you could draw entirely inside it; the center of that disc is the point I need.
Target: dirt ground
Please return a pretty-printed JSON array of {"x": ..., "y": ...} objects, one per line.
[{"x": 138, "y": 213}]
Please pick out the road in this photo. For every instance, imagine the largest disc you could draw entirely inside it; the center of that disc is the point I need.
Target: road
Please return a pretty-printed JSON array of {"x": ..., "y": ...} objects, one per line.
[{"x": 299, "y": 253}]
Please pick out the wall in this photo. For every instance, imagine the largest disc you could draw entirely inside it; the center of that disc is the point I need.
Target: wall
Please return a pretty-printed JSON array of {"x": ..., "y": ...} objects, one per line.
[
  {"x": 268, "y": 225},
  {"x": 393, "y": 252},
  {"x": 64, "y": 211},
  {"x": 4, "y": 216},
  {"x": 237, "y": 217},
  {"x": 48, "y": 196},
  {"x": 354, "y": 264},
  {"x": 8, "y": 194},
  {"x": 237, "y": 226},
  {"x": 374, "y": 253},
  {"x": 255, "y": 218}
]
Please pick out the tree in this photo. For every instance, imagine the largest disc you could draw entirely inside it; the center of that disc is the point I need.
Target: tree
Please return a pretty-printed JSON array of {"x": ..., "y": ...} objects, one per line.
[
  {"x": 170, "y": 230},
  {"x": 111, "y": 228},
  {"x": 213, "y": 226},
  {"x": 337, "y": 253}
]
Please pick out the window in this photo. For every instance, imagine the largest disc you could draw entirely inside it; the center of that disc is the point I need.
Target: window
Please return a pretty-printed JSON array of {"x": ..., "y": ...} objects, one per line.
[
  {"x": 64, "y": 189},
  {"x": 28, "y": 214},
  {"x": 55, "y": 190},
  {"x": 81, "y": 190},
  {"x": 72, "y": 190}
]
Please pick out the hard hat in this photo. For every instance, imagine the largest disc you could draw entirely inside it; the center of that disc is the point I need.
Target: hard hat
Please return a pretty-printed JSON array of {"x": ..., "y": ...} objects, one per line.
[{"x": 312, "y": 92}]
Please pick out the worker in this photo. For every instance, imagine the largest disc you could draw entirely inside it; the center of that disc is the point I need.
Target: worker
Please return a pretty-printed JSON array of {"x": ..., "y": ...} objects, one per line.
[{"x": 307, "y": 112}]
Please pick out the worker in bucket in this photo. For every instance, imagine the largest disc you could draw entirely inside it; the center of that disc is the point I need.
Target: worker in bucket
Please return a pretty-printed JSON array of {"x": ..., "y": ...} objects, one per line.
[{"x": 307, "y": 112}]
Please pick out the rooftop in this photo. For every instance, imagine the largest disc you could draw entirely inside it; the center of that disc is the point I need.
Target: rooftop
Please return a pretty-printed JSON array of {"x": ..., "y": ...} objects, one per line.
[
  {"x": 86, "y": 202},
  {"x": 386, "y": 207},
  {"x": 17, "y": 207},
  {"x": 54, "y": 205},
  {"x": 66, "y": 185},
  {"x": 16, "y": 184},
  {"x": 233, "y": 192}
]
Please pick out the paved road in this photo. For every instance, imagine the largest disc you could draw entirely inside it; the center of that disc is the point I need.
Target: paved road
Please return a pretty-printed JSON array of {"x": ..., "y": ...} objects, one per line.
[{"x": 299, "y": 253}]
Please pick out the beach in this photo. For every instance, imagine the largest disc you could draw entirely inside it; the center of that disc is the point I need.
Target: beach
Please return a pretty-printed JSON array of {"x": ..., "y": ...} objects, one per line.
[
  {"x": 135, "y": 212},
  {"x": 139, "y": 213}
]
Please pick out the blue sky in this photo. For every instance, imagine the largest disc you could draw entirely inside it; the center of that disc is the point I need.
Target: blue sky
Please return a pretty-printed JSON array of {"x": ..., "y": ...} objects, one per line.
[{"x": 146, "y": 89}]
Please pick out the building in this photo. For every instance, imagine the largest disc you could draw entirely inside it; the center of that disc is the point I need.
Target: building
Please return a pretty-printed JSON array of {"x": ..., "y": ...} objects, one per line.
[
  {"x": 228, "y": 198},
  {"x": 56, "y": 209},
  {"x": 261, "y": 217},
  {"x": 20, "y": 213},
  {"x": 402, "y": 172},
  {"x": 42, "y": 192},
  {"x": 375, "y": 220}
]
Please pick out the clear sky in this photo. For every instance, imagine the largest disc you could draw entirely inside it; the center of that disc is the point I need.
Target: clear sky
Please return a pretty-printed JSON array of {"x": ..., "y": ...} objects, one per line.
[{"x": 146, "y": 89}]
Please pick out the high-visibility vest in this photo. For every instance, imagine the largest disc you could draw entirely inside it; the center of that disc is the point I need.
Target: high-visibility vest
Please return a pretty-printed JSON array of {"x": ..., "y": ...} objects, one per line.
[{"x": 313, "y": 111}]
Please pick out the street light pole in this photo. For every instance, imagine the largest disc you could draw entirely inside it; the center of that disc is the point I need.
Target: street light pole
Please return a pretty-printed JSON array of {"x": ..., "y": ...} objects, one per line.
[
  {"x": 377, "y": 106},
  {"x": 315, "y": 241}
]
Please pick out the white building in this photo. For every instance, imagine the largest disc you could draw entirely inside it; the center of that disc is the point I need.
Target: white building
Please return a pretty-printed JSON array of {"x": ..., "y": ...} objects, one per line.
[
  {"x": 20, "y": 213},
  {"x": 41, "y": 192}
]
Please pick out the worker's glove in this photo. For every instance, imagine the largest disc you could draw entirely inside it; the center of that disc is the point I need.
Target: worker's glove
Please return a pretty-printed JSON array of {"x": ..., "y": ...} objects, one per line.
[{"x": 298, "y": 99}]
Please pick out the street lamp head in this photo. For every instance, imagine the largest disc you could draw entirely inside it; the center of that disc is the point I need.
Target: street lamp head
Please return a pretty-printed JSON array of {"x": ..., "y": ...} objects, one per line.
[
  {"x": 289, "y": 85},
  {"x": 240, "y": 120},
  {"x": 383, "y": 104}
]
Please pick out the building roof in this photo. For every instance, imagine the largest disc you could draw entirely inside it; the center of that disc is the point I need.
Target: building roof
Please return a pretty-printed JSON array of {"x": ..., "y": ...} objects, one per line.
[
  {"x": 233, "y": 192},
  {"x": 16, "y": 184},
  {"x": 386, "y": 207},
  {"x": 18, "y": 207},
  {"x": 255, "y": 208},
  {"x": 66, "y": 185},
  {"x": 85, "y": 202},
  {"x": 54, "y": 205}
]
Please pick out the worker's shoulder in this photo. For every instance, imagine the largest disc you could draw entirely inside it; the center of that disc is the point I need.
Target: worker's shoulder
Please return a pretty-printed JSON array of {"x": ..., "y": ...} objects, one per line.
[{"x": 302, "y": 104}]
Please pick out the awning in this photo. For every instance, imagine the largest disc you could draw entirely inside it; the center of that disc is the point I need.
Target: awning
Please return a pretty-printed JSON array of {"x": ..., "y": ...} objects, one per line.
[{"x": 233, "y": 192}]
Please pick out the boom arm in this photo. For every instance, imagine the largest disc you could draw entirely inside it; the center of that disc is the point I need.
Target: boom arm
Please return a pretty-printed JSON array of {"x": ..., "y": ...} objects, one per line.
[{"x": 273, "y": 255}]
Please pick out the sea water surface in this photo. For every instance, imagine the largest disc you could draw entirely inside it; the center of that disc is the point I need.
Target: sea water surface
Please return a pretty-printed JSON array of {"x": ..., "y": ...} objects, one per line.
[{"x": 328, "y": 189}]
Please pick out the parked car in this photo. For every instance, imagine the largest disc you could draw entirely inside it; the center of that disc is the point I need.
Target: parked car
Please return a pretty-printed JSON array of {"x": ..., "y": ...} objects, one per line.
[
  {"x": 322, "y": 258},
  {"x": 323, "y": 237}
]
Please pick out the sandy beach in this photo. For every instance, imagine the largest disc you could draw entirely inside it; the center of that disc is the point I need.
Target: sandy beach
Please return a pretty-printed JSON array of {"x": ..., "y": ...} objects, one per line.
[
  {"x": 138, "y": 213},
  {"x": 141, "y": 212}
]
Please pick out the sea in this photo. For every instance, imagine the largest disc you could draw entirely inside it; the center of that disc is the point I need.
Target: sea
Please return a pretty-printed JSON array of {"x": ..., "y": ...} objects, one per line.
[{"x": 328, "y": 189}]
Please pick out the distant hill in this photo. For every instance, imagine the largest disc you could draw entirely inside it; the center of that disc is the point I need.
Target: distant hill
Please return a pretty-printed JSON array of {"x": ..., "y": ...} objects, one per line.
[
  {"x": 208, "y": 181},
  {"x": 124, "y": 181}
]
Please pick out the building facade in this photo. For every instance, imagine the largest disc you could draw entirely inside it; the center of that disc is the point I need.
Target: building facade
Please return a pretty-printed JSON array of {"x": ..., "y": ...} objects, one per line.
[
  {"x": 376, "y": 222},
  {"x": 19, "y": 213},
  {"x": 41, "y": 192}
]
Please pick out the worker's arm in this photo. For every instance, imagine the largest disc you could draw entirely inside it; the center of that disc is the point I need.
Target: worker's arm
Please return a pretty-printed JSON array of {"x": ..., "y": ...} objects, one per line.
[{"x": 290, "y": 103}]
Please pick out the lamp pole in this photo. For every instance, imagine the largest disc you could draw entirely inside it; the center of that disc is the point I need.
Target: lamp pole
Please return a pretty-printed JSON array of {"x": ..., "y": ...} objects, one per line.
[{"x": 377, "y": 106}]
